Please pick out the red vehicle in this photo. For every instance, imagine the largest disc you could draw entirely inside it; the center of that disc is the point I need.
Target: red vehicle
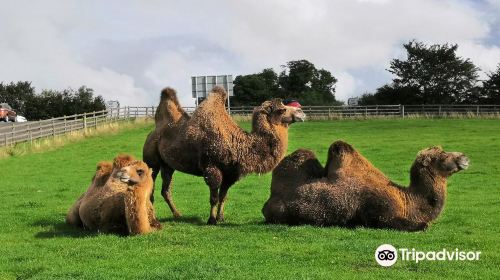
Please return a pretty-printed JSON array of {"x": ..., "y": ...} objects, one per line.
[{"x": 6, "y": 113}]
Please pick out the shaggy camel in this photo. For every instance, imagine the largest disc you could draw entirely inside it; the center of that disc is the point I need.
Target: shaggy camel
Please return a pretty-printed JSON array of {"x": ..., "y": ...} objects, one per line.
[
  {"x": 168, "y": 112},
  {"x": 350, "y": 191},
  {"x": 117, "y": 200},
  {"x": 212, "y": 145}
]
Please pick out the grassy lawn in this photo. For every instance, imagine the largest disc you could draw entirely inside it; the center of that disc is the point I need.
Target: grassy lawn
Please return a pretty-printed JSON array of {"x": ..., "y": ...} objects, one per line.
[{"x": 38, "y": 188}]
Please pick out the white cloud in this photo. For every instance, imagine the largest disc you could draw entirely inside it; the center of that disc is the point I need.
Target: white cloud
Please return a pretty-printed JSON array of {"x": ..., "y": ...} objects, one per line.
[
  {"x": 485, "y": 57},
  {"x": 34, "y": 48},
  {"x": 49, "y": 43},
  {"x": 345, "y": 86}
]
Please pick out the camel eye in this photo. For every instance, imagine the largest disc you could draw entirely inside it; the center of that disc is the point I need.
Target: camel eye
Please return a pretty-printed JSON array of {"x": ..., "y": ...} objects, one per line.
[
  {"x": 281, "y": 111},
  {"x": 140, "y": 172}
]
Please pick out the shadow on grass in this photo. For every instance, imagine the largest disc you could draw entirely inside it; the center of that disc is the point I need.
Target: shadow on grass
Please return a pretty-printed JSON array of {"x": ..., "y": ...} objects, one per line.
[
  {"x": 195, "y": 220},
  {"x": 57, "y": 229}
]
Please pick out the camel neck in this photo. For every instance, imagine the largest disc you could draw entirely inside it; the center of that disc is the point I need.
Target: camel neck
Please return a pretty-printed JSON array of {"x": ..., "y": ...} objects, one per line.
[
  {"x": 136, "y": 211},
  {"x": 267, "y": 147},
  {"x": 430, "y": 189}
]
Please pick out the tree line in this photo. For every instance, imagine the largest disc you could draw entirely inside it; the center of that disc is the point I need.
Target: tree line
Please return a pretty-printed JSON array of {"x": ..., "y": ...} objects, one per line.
[
  {"x": 49, "y": 103},
  {"x": 299, "y": 80},
  {"x": 430, "y": 74},
  {"x": 435, "y": 74}
]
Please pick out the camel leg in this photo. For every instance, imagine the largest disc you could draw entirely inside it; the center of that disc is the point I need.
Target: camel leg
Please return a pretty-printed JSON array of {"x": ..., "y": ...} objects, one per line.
[
  {"x": 222, "y": 199},
  {"x": 213, "y": 178},
  {"x": 152, "y": 217},
  {"x": 226, "y": 184},
  {"x": 73, "y": 216},
  {"x": 166, "y": 189},
  {"x": 154, "y": 175}
]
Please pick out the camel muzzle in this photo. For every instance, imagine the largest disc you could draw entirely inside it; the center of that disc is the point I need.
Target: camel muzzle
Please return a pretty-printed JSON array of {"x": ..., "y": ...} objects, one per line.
[
  {"x": 463, "y": 162},
  {"x": 299, "y": 116}
]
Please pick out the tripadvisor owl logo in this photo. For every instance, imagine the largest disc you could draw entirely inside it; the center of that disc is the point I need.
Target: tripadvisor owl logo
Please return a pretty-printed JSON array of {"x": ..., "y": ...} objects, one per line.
[{"x": 387, "y": 255}]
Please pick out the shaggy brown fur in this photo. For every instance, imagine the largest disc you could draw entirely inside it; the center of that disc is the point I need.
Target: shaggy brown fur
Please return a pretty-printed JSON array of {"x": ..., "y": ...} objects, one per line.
[
  {"x": 168, "y": 112},
  {"x": 212, "y": 145},
  {"x": 352, "y": 192},
  {"x": 117, "y": 200}
]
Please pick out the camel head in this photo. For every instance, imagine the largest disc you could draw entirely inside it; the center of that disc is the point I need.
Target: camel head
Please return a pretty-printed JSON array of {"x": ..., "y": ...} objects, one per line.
[
  {"x": 440, "y": 162},
  {"x": 131, "y": 171},
  {"x": 276, "y": 113}
]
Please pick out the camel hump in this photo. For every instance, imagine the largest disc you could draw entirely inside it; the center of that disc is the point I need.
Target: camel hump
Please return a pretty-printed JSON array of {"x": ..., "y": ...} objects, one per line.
[
  {"x": 168, "y": 93},
  {"x": 340, "y": 147},
  {"x": 300, "y": 161},
  {"x": 104, "y": 167},
  {"x": 219, "y": 91}
]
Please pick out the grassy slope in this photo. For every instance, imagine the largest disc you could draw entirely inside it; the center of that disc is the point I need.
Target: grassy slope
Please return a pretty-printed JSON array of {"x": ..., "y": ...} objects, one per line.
[{"x": 37, "y": 189}]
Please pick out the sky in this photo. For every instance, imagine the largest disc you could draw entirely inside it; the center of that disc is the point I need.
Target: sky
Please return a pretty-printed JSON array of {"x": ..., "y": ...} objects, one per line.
[{"x": 129, "y": 50}]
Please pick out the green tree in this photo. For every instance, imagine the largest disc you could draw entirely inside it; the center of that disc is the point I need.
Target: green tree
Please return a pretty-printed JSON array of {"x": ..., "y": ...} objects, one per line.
[
  {"x": 49, "y": 103},
  {"x": 17, "y": 95},
  {"x": 255, "y": 88},
  {"x": 491, "y": 88},
  {"x": 391, "y": 95},
  {"x": 439, "y": 75},
  {"x": 301, "y": 80}
]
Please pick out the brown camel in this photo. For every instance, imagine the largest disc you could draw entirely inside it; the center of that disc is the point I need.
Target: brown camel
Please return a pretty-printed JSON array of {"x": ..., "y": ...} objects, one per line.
[
  {"x": 117, "y": 200},
  {"x": 212, "y": 145},
  {"x": 350, "y": 191}
]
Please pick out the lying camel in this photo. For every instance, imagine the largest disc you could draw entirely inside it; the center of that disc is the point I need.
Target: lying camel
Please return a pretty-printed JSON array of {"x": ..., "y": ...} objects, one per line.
[
  {"x": 350, "y": 191},
  {"x": 117, "y": 200},
  {"x": 212, "y": 145}
]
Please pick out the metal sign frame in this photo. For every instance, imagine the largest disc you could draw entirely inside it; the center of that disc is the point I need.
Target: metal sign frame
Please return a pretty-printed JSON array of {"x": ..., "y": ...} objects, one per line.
[{"x": 202, "y": 85}]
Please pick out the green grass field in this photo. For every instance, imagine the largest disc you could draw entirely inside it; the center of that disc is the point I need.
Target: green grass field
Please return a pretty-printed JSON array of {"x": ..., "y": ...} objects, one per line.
[{"x": 38, "y": 188}]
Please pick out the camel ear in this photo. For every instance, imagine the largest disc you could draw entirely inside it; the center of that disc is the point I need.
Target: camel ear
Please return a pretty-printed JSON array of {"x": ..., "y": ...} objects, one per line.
[
  {"x": 266, "y": 107},
  {"x": 426, "y": 161},
  {"x": 424, "y": 157},
  {"x": 277, "y": 106}
]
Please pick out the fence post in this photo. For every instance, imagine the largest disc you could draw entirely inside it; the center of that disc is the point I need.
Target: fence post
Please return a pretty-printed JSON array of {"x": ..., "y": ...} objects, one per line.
[
  {"x": 329, "y": 113},
  {"x": 30, "y": 134},
  {"x": 95, "y": 120},
  {"x": 53, "y": 128},
  {"x": 477, "y": 111},
  {"x": 12, "y": 140},
  {"x": 85, "y": 121}
]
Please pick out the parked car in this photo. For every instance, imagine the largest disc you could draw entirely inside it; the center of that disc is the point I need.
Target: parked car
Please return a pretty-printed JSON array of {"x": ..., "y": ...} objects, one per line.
[
  {"x": 21, "y": 119},
  {"x": 6, "y": 113}
]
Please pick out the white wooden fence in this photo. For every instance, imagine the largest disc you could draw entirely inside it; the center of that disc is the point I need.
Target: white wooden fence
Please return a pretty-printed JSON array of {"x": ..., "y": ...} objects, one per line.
[{"x": 12, "y": 133}]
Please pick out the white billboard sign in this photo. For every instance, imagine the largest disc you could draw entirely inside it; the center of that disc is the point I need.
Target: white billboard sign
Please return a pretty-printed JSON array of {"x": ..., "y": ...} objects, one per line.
[{"x": 202, "y": 85}]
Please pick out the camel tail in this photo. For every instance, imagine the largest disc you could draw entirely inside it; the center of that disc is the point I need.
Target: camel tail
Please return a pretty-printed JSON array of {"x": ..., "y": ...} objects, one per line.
[{"x": 169, "y": 110}]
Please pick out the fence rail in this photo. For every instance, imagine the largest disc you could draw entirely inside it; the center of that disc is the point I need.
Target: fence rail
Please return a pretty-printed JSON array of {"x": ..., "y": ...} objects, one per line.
[{"x": 13, "y": 133}]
